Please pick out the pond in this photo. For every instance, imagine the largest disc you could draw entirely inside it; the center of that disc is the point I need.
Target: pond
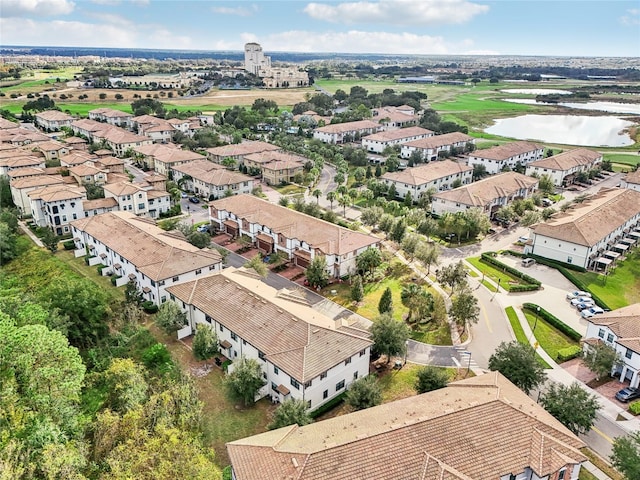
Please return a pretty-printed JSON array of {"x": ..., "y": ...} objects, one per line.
[
  {"x": 565, "y": 129},
  {"x": 611, "y": 107},
  {"x": 536, "y": 91}
]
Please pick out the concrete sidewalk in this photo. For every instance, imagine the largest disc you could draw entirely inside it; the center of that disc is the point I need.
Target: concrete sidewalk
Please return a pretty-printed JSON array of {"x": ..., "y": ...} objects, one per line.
[{"x": 30, "y": 234}]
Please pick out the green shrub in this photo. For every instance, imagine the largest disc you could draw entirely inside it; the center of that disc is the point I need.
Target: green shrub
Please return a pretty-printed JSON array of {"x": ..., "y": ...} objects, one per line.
[
  {"x": 69, "y": 245},
  {"x": 489, "y": 257},
  {"x": 149, "y": 307},
  {"x": 226, "y": 473},
  {"x": 156, "y": 356},
  {"x": 114, "y": 278},
  {"x": 556, "y": 264},
  {"x": 225, "y": 364},
  {"x": 334, "y": 402},
  {"x": 634, "y": 407},
  {"x": 524, "y": 288},
  {"x": 553, "y": 320},
  {"x": 99, "y": 268},
  {"x": 568, "y": 353}
]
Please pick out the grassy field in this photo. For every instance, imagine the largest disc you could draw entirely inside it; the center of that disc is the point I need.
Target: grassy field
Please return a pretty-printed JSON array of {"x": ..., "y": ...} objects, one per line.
[
  {"x": 399, "y": 384},
  {"x": 620, "y": 288},
  {"x": 550, "y": 338},
  {"x": 506, "y": 280},
  {"x": 519, "y": 332}
]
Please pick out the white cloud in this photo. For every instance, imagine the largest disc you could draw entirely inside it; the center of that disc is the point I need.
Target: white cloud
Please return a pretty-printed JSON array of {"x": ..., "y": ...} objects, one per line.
[
  {"x": 355, "y": 41},
  {"x": 116, "y": 33},
  {"x": 632, "y": 18},
  {"x": 397, "y": 12},
  {"x": 106, "y": 3},
  {"x": 39, "y": 8},
  {"x": 239, "y": 11}
]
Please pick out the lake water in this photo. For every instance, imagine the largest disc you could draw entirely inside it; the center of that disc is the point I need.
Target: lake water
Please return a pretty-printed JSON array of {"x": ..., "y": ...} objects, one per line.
[
  {"x": 611, "y": 107},
  {"x": 536, "y": 91},
  {"x": 565, "y": 129}
]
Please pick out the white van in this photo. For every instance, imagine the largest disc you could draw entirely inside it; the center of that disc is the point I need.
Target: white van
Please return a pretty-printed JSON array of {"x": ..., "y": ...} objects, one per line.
[{"x": 527, "y": 262}]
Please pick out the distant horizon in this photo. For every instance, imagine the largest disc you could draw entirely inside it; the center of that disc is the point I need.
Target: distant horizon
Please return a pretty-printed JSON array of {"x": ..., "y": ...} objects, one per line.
[{"x": 532, "y": 28}]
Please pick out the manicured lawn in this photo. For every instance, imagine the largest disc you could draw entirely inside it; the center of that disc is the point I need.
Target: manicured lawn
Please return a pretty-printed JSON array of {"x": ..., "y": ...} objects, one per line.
[
  {"x": 550, "y": 338},
  {"x": 399, "y": 384},
  {"x": 598, "y": 462},
  {"x": 519, "y": 332},
  {"x": 620, "y": 288},
  {"x": 290, "y": 190},
  {"x": 631, "y": 159},
  {"x": 506, "y": 280},
  {"x": 586, "y": 475},
  {"x": 436, "y": 334}
]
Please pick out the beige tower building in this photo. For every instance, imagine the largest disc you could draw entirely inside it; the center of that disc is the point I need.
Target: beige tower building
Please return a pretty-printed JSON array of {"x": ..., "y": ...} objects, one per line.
[{"x": 254, "y": 59}]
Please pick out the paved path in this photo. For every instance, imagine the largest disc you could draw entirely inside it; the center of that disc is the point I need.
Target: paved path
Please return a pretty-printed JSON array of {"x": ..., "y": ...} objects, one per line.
[{"x": 30, "y": 234}]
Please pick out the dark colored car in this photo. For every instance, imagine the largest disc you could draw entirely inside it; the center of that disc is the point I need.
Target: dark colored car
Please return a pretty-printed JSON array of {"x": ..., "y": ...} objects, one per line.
[
  {"x": 628, "y": 394},
  {"x": 194, "y": 199}
]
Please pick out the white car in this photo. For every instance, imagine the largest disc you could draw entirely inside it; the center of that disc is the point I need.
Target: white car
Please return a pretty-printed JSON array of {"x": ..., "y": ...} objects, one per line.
[
  {"x": 577, "y": 293},
  {"x": 575, "y": 301},
  {"x": 590, "y": 312},
  {"x": 183, "y": 195}
]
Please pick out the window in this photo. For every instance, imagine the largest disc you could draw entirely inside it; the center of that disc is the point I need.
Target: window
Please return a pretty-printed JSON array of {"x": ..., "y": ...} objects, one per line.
[
  {"x": 629, "y": 353},
  {"x": 601, "y": 333},
  {"x": 325, "y": 394},
  {"x": 347, "y": 361},
  {"x": 362, "y": 352},
  {"x": 323, "y": 375},
  {"x": 340, "y": 385},
  {"x": 276, "y": 370},
  {"x": 610, "y": 337},
  {"x": 274, "y": 387},
  {"x": 294, "y": 383},
  {"x": 260, "y": 355},
  {"x": 221, "y": 328},
  {"x": 309, "y": 404},
  {"x": 308, "y": 384},
  {"x": 176, "y": 278},
  {"x": 198, "y": 272},
  {"x": 355, "y": 375},
  {"x": 141, "y": 206},
  {"x": 234, "y": 337},
  {"x": 207, "y": 318},
  {"x": 163, "y": 299},
  {"x": 561, "y": 474}
]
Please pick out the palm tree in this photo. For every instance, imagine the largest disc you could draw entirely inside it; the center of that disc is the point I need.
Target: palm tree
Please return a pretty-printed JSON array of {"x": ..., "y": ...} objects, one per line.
[
  {"x": 317, "y": 193},
  {"x": 331, "y": 196},
  {"x": 344, "y": 201}
]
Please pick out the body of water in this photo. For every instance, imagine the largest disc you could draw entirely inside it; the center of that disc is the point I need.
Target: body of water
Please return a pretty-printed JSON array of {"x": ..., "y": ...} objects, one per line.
[
  {"x": 611, "y": 107},
  {"x": 565, "y": 129},
  {"x": 536, "y": 91}
]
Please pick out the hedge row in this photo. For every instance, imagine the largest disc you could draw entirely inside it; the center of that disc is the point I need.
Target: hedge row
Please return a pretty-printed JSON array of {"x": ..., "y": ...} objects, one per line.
[
  {"x": 556, "y": 264},
  {"x": 524, "y": 288},
  {"x": 634, "y": 407},
  {"x": 553, "y": 320},
  {"x": 569, "y": 353},
  {"x": 489, "y": 257},
  {"x": 581, "y": 286},
  {"x": 334, "y": 402}
]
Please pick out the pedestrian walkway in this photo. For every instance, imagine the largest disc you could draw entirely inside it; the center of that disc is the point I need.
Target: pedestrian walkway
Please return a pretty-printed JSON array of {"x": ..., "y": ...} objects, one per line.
[
  {"x": 30, "y": 234},
  {"x": 595, "y": 471}
]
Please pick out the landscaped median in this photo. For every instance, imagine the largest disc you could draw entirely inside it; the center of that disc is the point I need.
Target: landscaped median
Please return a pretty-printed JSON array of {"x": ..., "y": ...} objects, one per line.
[
  {"x": 560, "y": 341},
  {"x": 509, "y": 278},
  {"x": 519, "y": 332}
]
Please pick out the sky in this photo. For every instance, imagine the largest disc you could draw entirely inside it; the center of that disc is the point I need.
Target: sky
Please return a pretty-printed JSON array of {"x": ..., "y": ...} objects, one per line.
[{"x": 608, "y": 28}]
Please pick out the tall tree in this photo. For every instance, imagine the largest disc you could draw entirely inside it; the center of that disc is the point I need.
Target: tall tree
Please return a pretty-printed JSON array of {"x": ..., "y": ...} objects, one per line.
[
  {"x": 317, "y": 193},
  {"x": 431, "y": 378},
  {"x": 244, "y": 382},
  {"x": 601, "y": 358},
  {"x": 452, "y": 275},
  {"x": 331, "y": 196},
  {"x": 389, "y": 336},
  {"x": 369, "y": 260},
  {"x": 417, "y": 300},
  {"x": 205, "y": 342},
  {"x": 464, "y": 309},
  {"x": 572, "y": 406},
  {"x": 170, "y": 318},
  {"x": 428, "y": 254},
  {"x": 518, "y": 363},
  {"x": 316, "y": 272},
  {"x": 385, "y": 305},
  {"x": 292, "y": 411},
  {"x": 626, "y": 455},
  {"x": 357, "y": 291},
  {"x": 364, "y": 393},
  {"x": 127, "y": 386}
]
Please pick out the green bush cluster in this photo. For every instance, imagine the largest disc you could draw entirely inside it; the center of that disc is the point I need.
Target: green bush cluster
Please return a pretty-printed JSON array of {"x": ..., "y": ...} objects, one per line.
[
  {"x": 334, "y": 402},
  {"x": 149, "y": 307},
  {"x": 568, "y": 353},
  {"x": 553, "y": 320},
  {"x": 557, "y": 264},
  {"x": 634, "y": 407},
  {"x": 69, "y": 245},
  {"x": 524, "y": 288},
  {"x": 489, "y": 257},
  {"x": 114, "y": 279}
]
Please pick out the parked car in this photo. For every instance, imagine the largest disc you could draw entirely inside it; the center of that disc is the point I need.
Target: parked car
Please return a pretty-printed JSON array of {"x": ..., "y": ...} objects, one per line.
[
  {"x": 194, "y": 199},
  {"x": 591, "y": 311},
  {"x": 183, "y": 195},
  {"x": 523, "y": 239},
  {"x": 577, "y": 293},
  {"x": 628, "y": 394},
  {"x": 203, "y": 228},
  {"x": 547, "y": 202},
  {"x": 575, "y": 301},
  {"x": 584, "y": 305}
]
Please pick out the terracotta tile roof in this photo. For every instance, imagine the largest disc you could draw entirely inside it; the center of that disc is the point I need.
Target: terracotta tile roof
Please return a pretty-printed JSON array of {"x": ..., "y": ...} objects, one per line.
[
  {"x": 90, "y": 125},
  {"x": 244, "y": 148},
  {"x": 151, "y": 194},
  {"x": 122, "y": 188},
  {"x": 37, "y": 181},
  {"x": 439, "y": 140},
  {"x": 51, "y": 145},
  {"x": 154, "y": 252},
  {"x": 109, "y": 161},
  {"x": 74, "y": 140},
  {"x": 110, "y": 113},
  {"x": 275, "y": 156},
  {"x": 152, "y": 149},
  {"x": 77, "y": 158},
  {"x": 23, "y": 161},
  {"x": 589, "y": 222},
  {"x": 483, "y": 192},
  {"x": 278, "y": 165},
  {"x": 120, "y": 136},
  {"x": 422, "y": 174},
  {"x": 172, "y": 155},
  {"x": 54, "y": 115},
  {"x": 86, "y": 169},
  {"x": 633, "y": 177},
  {"x": 7, "y": 124},
  {"x": 99, "y": 203},
  {"x": 327, "y": 237},
  {"x": 26, "y": 172},
  {"x": 568, "y": 160},
  {"x": 298, "y": 339},
  {"x": 507, "y": 150},
  {"x": 54, "y": 193},
  {"x": 212, "y": 173},
  {"x": 625, "y": 323},
  {"x": 460, "y": 432},
  {"x": 349, "y": 127},
  {"x": 391, "y": 135}
]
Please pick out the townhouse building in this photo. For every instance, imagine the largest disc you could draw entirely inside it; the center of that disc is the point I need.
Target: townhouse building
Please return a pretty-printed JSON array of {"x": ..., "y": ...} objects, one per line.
[
  {"x": 120, "y": 141},
  {"x": 377, "y": 142},
  {"x": 562, "y": 168},
  {"x": 395, "y": 117},
  {"x": 619, "y": 330},
  {"x": 631, "y": 180},
  {"x": 141, "y": 253},
  {"x": 164, "y": 160},
  {"x": 211, "y": 180},
  {"x": 275, "y": 166},
  {"x": 86, "y": 128},
  {"x": 109, "y": 163},
  {"x": 18, "y": 159},
  {"x": 439, "y": 176},
  {"x": 456, "y": 433},
  {"x": 117, "y": 118},
  {"x": 88, "y": 173},
  {"x": 52, "y": 150},
  {"x": 53, "y": 120},
  {"x": 488, "y": 194},
  {"x": 56, "y": 206},
  {"x": 237, "y": 151},
  {"x": 139, "y": 199},
  {"x": 591, "y": 234},
  {"x": 274, "y": 228},
  {"x": 76, "y": 143},
  {"x": 157, "y": 129},
  {"x": 429, "y": 148},
  {"x": 75, "y": 158},
  {"x": 512, "y": 154},
  {"x": 303, "y": 354},
  {"x": 21, "y": 136},
  {"x": 99, "y": 206},
  {"x": 21, "y": 187},
  {"x": 349, "y": 131}
]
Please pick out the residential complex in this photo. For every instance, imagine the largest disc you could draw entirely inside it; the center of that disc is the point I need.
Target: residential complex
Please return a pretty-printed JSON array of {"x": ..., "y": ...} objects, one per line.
[
  {"x": 427, "y": 149},
  {"x": 562, "y": 168},
  {"x": 631, "y": 180},
  {"x": 141, "y": 252},
  {"x": 273, "y": 228},
  {"x": 53, "y": 120},
  {"x": 377, "y": 142},
  {"x": 488, "y": 194},
  {"x": 619, "y": 330},
  {"x": 459, "y": 432},
  {"x": 591, "y": 234},
  {"x": 508, "y": 155},
  {"x": 346, "y": 132},
  {"x": 395, "y": 117},
  {"x": 211, "y": 180},
  {"x": 438, "y": 175},
  {"x": 303, "y": 354},
  {"x": 237, "y": 151},
  {"x": 275, "y": 166}
]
